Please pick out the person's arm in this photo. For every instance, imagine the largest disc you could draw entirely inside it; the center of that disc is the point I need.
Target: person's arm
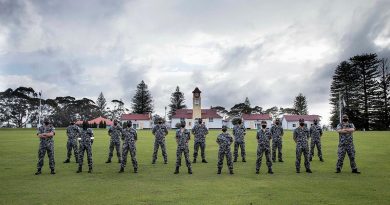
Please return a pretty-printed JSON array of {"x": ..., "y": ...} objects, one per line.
[
  {"x": 154, "y": 130},
  {"x": 193, "y": 130},
  {"x": 321, "y": 132},
  {"x": 177, "y": 136},
  {"x": 207, "y": 130},
  {"x": 341, "y": 130},
  {"x": 257, "y": 135},
  {"x": 166, "y": 131},
  {"x": 295, "y": 136},
  {"x": 351, "y": 129},
  {"x": 135, "y": 135}
]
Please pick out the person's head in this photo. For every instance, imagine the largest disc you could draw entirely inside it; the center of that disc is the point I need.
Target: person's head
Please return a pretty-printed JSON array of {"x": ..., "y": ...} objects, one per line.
[
  {"x": 115, "y": 122},
  {"x": 345, "y": 118},
  {"x": 183, "y": 124},
  {"x": 85, "y": 124},
  {"x": 129, "y": 123},
  {"x": 224, "y": 128},
  {"x": 277, "y": 121},
  {"x": 315, "y": 122},
  {"x": 46, "y": 121},
  {"x": 263, "y": 124},
  {"x": 301, "y": 122},
  {"x": 160, "y": 121},
  {"x": 72, "y": 123},
  {"x": 239, "y": 121},
  {"x": 200, "y": 121}
]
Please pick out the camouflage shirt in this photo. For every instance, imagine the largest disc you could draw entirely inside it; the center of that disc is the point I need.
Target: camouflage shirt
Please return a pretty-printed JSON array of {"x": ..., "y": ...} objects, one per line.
[
  {"x": 346, "y": 138},
  {"x": 129, "y": 134},
  {"x": 277, "y": 132},
  {"x": 200, "y": 132},
  {"x": 263, "y": 137},
  {"x": 224, "y": 140},
  {"x": 46, "y": 129},
  {"x": 160, "y": 131},
  {"x": 182, "y": 138},
  {"x": 315, "y": 132},
  {"x": 301, "y": 135},
  {"x": 86, "y": 136},
  {"x": 115, "y": 132},
  {"x": 72, "y": 131},
  {"x": 239, "y": 133}
]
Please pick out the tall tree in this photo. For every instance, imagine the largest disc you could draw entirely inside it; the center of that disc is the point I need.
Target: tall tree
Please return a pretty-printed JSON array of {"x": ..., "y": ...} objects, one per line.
[
  {"x": 142, "y": 101},
  {"x": 300, "y": 104},
  {"x": 101, "y": 104},
  {"x": 381, "y": 105},
  {"x": 118, "y": 110},
  {"x": 177, "y": 102}
]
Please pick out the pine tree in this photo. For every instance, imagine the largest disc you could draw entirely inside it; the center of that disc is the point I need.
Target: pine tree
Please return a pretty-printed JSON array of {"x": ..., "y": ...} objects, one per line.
[
  {"x": 142, "y": 102},
  {"x": 177, "y": 102},
  {"x": 381, "y": 105},
  {"x": 101, "y": 104},
  {"x": 300, "y": 104}
]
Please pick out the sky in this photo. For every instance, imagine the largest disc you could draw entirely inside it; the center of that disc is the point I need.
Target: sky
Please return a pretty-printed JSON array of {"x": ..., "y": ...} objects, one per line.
[{"x": 268, "y": 51}]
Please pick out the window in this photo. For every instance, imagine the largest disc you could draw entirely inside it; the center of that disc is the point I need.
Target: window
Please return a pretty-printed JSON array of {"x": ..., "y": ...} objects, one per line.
[
  {"x": 211, "y": 119},
  {"x": 189, "y": 124},
  {"x": 196, "y": 102},
  {"x": 135, "y": 126},
  {"x": 181, "y": 119},
  {"x": 294, "y": 125}
]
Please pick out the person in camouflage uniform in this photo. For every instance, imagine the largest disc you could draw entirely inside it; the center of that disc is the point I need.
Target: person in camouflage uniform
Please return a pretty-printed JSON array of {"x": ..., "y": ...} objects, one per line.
[
  {"x": 46, "y": 133},
  {"x": 345, "y": 130},
  {"x": 300, "y": 137},
  {"x": 239, "y": 133},
  {"x": 200, "y": 131},
  {"x": 315, "y": 135},
  {"x": 277, "y": 134},
  {"x": 264, "y": 137},
  {"x": 115, "y": 133},
  {"x": 160, "y": 131},
  {"x": 183, "y": 136},
  {"x": 85, "y": 141},
  {"x": 72, "y": 131},
  {"x": 129, "y": 138},
  {"x": 224, "y": 141}
]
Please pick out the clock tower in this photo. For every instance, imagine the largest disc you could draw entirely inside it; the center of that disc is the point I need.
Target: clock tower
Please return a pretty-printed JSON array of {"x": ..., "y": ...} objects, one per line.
[{"x": 196, "y": 105}]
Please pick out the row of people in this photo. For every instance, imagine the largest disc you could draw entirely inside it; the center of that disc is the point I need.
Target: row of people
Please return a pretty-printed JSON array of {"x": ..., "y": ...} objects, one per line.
[{"x": 264, "y": 136}]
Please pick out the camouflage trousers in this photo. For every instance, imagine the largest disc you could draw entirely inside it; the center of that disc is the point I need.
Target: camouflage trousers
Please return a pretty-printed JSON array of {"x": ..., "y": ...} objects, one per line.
[
  {"x": 277, "y": 145},
  {"x": 85, "y": 148},
  {"x": 72, "y": 144},
  {"x": 179, "y": 152},
  {"x": 157, "y": 144},
  {"x": 302, "y": 149},
  {"x": 313, "y": 144},
  {"x": 202, "y": 146},
  {"x": 46, "y": 146},
  {"x": 342, "y": 150},
  {"x": 222, "y": 153},
  {"x": 260, "y": 151},
  {"x": 240, "y": 145},
  {"x": 129, "y": 147},
  {"x": 117, "y": 146}
]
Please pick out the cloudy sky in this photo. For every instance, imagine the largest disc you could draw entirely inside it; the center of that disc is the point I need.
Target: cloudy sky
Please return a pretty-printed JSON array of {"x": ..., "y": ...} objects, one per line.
[{"x": 268, "y": 51}]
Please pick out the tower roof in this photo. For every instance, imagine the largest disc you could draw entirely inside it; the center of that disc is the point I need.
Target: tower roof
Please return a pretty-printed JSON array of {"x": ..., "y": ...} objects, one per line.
[{"x": 196, "y": 90}]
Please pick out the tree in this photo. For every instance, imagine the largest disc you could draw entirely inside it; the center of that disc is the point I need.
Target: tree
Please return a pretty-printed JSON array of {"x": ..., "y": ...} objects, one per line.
[
  {"x": 101, "y": 104},
  {"x": 220, "y": 110},
  {"x": 177, "y": 102},
  {"x": 273, "y": 111},
  {"x": 142, "y": 102},
  {"x": 381, "y": 105},
  {"x": 300, "y": 104},
  {"x": 244, "y": 108},
  {"x": 290, "y": 111},
  {"x": 118, "y": 110}
]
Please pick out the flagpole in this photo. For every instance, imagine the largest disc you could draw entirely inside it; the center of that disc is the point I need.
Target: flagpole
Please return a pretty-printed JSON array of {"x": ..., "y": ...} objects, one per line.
[
  {"x": 340, "y": 117},
  {"x": 40, "y": 108}
]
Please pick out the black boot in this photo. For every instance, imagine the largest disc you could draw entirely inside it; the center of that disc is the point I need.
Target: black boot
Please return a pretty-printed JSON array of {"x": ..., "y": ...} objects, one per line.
[
  {"x": 309, "y": 171},
  {"x": 108, "y": 161},
  {"x": 52, "y": 171},
  {"x": 176, "y": 170},
  {"x": 189, "y": 171},
  {"x": 119, "y": 161},
  {"x": 166, "y": 162},
  {"x": 194, "y": 160},
  {"x": 355, "y": 171},
  {"x": 79, "y": 170},
  {"x": 235, "y": 160},
  {"x": 321, "y": 159},
  {"x": 135, "y": 170},
  {"x": 273, "y": 160},
  {"x": 90, "y": 170},
  {"x": 219, "y": 171},
  {"x": 38, "y": 172},
  {"x": 257, "y": 171},
  {"x": 121, "y": 170},
  {"x": 270, "y": 171},
  {"x": 243, "y": 160},
  {"x": 231, "y": 171},
  {"x": 67, "y": 161},
  {"x": 298, "y": 171},
  {"x": 280, "y": 160},
  {"x": 204, "y": 161},
  {"x": 338, "y": 170},
  {"x": 153, "y": 162}
]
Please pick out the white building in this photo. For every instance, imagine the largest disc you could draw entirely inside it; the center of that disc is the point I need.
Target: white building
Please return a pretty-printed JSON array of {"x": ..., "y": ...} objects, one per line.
[
  {"x": 140, "y": 121},
  {"x": 210, "y": 117},
  {"x": 290, "y": 122}
]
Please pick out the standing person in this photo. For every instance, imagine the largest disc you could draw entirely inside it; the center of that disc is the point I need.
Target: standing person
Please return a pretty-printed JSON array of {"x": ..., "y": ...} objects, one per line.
[
  {"x": 86, "y": 141},
  {"x": 345, "y": 130},
  {"x": 72, "y": 131},
  {"x": 129, "y": 137},
  {"x": 300, "y": 137},
  {"x": 239, "y": 133},
  {"x": 277, "y": 134},
  {"x": 183, "y": 136},
  {"x": 160, "y": 131},
  {"x": 46, "y": 133},
  {"x": 315, "y": 134},
  {"x": 224, "y": 141},
  {"x": 115, "y": 133},
  {"x": 200, "y": 131},
  {"x": 263, "y": 139}
]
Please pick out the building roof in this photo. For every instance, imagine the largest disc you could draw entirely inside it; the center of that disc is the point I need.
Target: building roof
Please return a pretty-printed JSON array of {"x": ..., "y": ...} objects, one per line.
[
  {"x": 256, "y": 117},
  {"x": 187, "y": 114},
  {"x": 196, "y": 90},
  {"x": 97, "y": 121},
  {"x": 290, "y": 118},
  {"x": 136, "y": 117}
]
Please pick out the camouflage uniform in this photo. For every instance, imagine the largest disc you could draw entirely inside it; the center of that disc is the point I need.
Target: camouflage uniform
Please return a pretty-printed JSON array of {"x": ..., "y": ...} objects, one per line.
[
  {"x": 159, "y": 131},
  {"x": 224, "y": 141},
  {"x": 72, "y": 131},
  {"x": 182, "y": 139},
  {"x": 263, "y": 139},
  {"x": 46, "y": 145},
  {"x": 239, "y": 133},
  {"x": 129, "y": 137},
  {"x": 86, "y": 142},
  {"x": 277, "y": 133},
  {"x": 300, "y": 137},
  {"x": 315, "y": 135},
  {"x": 200, "y": 131},
  {"x": 115, "y": 132},
  {"x": 346, "y": 146}
]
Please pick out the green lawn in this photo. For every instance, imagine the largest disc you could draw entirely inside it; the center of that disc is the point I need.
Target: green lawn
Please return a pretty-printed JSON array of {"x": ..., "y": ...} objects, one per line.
[{"x": 156, "y": 184}]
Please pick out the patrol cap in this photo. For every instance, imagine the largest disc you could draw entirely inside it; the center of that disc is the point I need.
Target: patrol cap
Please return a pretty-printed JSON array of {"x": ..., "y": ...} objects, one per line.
[
  {"x": 46, "y": 120},
  {"x": 263, "y": 122},
  {"x": 315, "y": 120},
  {"x": 345, "y": 116},
  {"x": 224, "y": 127},
  {"x": 277, "y": 120},
  {"x": 301, "y": 120}
]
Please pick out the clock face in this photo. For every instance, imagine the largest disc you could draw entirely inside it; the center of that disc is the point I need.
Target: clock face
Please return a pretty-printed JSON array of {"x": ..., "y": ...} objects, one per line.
[
  {"x": 196, "y": 101},
  {"x": 197, "y": 95}
]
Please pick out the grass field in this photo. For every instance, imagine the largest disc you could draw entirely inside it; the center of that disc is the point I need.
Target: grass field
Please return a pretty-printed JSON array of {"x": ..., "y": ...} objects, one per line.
[{"x": 156, "y": 184}]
